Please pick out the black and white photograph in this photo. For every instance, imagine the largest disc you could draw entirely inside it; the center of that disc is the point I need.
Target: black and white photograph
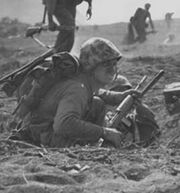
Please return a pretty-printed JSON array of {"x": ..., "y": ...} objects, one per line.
[{"x": 89, "y": 96}]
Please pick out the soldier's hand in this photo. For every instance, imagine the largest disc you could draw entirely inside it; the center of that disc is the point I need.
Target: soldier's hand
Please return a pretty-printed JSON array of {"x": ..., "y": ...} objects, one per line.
[
  {"x": 52, "y": 26},
  {"x": 113, "y": 136},
  {"x": 89, "y": 13}
]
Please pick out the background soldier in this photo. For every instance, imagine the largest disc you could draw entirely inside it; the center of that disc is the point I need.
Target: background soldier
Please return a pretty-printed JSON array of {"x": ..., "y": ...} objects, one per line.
[
  {"x": 168, "y": 19},
  {"x": 65, "y": 13},
  {"x": 139, "y": 22}
]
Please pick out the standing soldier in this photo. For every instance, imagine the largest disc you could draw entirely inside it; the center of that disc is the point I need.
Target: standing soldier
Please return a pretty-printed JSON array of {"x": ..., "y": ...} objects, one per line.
[
  {"x": 139, "y": 22},
  {"x": 65, "y": 12}
]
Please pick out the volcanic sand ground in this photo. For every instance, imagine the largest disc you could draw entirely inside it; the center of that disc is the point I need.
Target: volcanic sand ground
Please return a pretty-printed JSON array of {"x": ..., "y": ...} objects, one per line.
[{"x": 156, "y": 169}]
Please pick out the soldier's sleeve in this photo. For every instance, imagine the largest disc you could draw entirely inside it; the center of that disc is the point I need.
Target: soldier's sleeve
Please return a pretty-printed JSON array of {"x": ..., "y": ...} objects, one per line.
[
  {"x": 89, "y": 2},
  {"x": 69, "y": 122},
  {"x": 111, "y": 97}
]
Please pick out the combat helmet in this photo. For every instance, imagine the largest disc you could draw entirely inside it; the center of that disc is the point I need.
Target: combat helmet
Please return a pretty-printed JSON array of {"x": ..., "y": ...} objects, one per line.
[{"x": 97, "y": 51}]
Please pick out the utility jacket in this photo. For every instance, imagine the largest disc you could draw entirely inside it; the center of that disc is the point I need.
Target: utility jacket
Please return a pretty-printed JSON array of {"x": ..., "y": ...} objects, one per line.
[{"x": 60, "y": 119}]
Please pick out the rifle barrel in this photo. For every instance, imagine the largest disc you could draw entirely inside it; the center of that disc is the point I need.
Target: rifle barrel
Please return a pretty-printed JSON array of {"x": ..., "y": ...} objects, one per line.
[
  {"x": 152, "y": 82},
  {"x": 141, "y": 82}
]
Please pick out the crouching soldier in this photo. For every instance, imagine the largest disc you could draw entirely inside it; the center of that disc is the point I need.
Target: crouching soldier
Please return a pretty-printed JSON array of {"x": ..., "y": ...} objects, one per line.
[{"x": 71, "y": 112}]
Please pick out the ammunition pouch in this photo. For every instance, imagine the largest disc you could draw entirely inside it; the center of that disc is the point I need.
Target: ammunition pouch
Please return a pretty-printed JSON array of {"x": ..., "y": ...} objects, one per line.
[
  {"x": 172, "y": 97},
  {"x": 148, "y": 130},
  {"x": 144, "y": 127}
]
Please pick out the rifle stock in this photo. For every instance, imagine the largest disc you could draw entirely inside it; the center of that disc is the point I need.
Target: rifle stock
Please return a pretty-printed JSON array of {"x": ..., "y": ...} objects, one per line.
[
  {"x": 14, "y": 79},
  {"x": 28, "y": 66},
  {"x": 126, "y": 105}
]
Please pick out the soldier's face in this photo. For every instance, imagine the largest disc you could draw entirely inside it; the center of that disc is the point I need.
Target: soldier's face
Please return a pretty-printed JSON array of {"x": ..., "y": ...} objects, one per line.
[
  {"x": 105, "y": 73},
  {"x": 147, "y": 7}
]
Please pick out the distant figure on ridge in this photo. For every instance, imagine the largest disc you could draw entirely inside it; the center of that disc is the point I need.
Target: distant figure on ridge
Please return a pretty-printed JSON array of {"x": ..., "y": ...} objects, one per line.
[
  {"x": 65, "y": 13},
  {"x": 168, "y": 19}
]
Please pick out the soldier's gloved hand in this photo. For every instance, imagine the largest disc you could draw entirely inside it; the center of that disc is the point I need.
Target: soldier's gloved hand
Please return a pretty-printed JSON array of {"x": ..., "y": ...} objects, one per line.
[
  {"x": 89, "y": 13},
  {"x": 113, "y": 136},
  {"x": 52, "y": 26}
]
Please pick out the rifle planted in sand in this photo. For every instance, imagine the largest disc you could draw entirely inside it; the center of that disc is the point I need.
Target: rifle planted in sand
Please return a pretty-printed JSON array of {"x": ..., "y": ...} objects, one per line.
[{"x": 127, "y": 104}]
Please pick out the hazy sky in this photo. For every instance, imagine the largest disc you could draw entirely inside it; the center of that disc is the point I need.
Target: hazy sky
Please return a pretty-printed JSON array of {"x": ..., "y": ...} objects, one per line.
[
  {"x": 107, "y": 11},
  {"x": 104, "y": 11}
]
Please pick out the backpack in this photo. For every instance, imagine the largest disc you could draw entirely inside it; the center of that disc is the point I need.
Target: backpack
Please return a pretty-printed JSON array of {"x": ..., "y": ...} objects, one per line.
[
  {"x": 145, "y": 125},
  {"x": 41, "y": 79}
]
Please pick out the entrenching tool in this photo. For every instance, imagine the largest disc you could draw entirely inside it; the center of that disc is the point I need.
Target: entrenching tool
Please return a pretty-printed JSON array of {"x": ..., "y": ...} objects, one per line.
[{"x": 31, "y": 31}]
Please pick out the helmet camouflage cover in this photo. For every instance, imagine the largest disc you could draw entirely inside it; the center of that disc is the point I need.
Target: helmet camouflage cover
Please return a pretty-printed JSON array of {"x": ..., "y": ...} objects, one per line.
[{"x": 96, "y": 51}]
